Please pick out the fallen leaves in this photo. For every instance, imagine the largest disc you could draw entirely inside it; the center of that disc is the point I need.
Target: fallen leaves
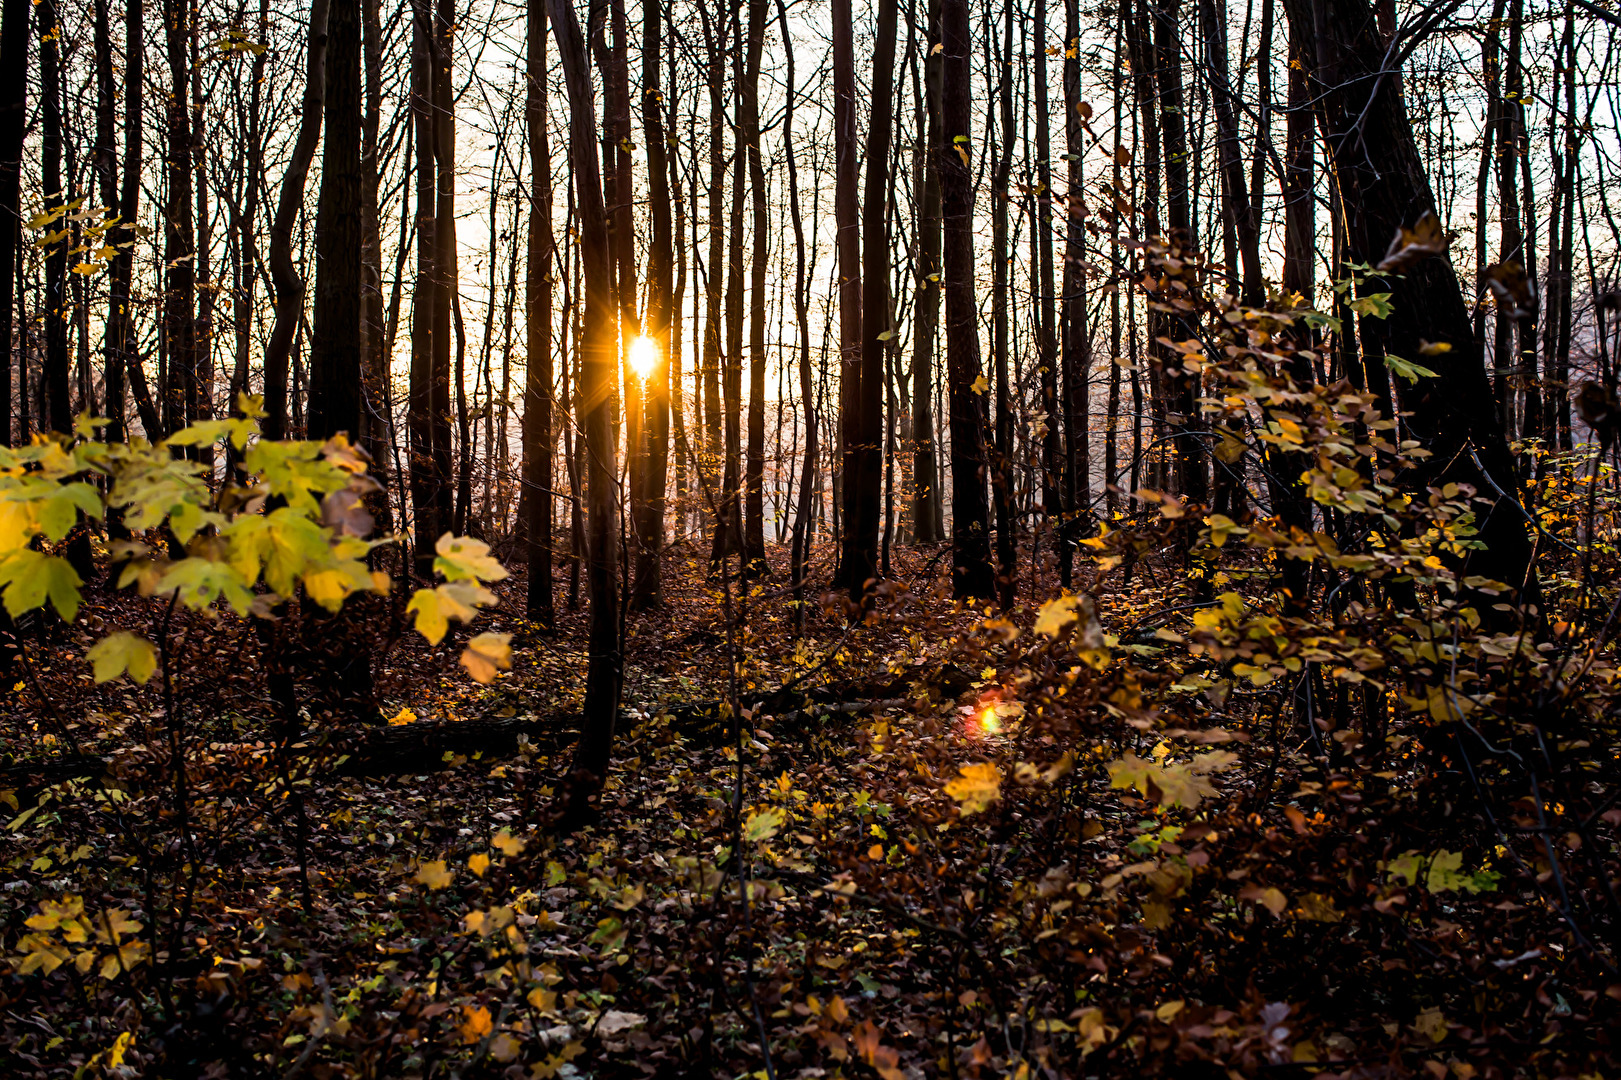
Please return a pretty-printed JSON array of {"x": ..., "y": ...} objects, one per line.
[{"x": 975, "y": 788}]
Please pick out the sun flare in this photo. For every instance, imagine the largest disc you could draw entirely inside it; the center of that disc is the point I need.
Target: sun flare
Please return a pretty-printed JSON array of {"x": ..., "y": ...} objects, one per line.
[{"x": 644, "y": 356}]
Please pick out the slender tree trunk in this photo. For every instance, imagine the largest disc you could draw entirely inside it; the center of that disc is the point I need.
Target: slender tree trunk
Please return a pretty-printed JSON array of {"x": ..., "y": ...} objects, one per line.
[
  {"x": 1234, "y": 194},
  {"x": 179, "y": 247},
  {"x": 1077, "y": 331},
  {"x": 58, "y": 394},
  {"x": 336, "y": 382},
  {"x": 926, "y": 307},
  {"x": 446, "y": 282},
  {"x": 595, "y": 404},
  {"x": 1001, "y": 144},
  {"x": 537, "y": 398},
  {"x": 708, "y": 474},
  {"x": 289, "y": 286},
  {"x": 846, "y": 213},
  {"x": 420, "y": 420},
  {"x": 377, "y": 418},
  {"x": 657, "y": 324},
  {"x": 970, "y": 528},
  {"x": 754, "y": 505},
  {"x": 13, "y": 125},
  {"x": 1182, "y": 386},
  {"x": 804, "y": 519}
]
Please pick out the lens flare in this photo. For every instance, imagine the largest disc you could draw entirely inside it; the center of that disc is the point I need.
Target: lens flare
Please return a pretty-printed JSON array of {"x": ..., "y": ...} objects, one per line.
[
  {"x": 989, "y": 721},
  {"x": 644, "y": 356}
]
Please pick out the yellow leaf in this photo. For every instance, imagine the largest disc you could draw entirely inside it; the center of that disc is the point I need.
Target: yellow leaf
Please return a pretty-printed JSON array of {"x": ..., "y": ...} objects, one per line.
[
  {"x": 544, "y": 1000},
  {"x": 1167, "y": 1011},
  {"x": 403, "y": 717},
  {"x": 507, "y": 844},
  {"x": 120, "y": 652},
  {"x": 875, "y": 852},
  {"x": 1431, "y": 1024},
  {"x": 485, "y": 653},
  {"x": 1274, "y": 900},
  {"x": 981, "y": 384},
  {"x": 434, "y": 875},
  {"x": 478, "y": 864},
  {"x": 1055, "y": 615},
  {"x": 976, "y": 787},
  {"x": 762, "y": 826}
]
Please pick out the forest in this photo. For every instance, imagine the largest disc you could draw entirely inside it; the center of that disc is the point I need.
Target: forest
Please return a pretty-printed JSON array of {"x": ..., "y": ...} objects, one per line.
[{"x": 804, "y": 538}]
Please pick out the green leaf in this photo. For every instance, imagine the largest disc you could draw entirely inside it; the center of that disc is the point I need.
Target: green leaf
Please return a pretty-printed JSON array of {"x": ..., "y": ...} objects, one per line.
[
  {"x": 1375, "y": 304},
  {"x": 120, "y": 652},
  {"x": 30, "y": 576},
  {"x": 762, "y": 826},
  {"x": 1407, "y": 369}
]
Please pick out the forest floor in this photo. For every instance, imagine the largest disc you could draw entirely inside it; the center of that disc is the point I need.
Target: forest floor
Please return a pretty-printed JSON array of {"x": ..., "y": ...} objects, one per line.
[{"x": 947, "y": 871}]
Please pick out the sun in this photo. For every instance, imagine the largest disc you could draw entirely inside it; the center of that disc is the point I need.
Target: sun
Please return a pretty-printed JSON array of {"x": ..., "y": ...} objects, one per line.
[{"x": 644, "y": 356}]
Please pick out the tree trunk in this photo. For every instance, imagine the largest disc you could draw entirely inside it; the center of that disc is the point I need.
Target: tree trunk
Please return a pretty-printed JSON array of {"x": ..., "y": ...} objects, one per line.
[
  {"x": 926, "y": 510},
  {"x": 58, "y": 393},
  {"x": 595, "y": 403},
  {"x": 846, "y": 214},
  {"x": 970, "y": 530},
  {"x": 283, "y": 276},
  {"x": 179, "y": 247},
  {"x": 1001, "y": 143},
  {"x": 336, "y": 373},
  {"x": 656, "y": 325},
  {"x": 13, "y": 126},
  {"x": 537, "y": 398},
  {"x": 1383, "y": 189},
  {"x": 753, "y": 503}
]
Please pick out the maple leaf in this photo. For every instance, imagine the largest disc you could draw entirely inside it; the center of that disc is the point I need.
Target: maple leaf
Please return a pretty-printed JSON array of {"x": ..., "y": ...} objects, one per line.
[
  {"x": 762, "y": 825},
  {"x": 478, "y": 863},
  {"x": 507, "y": 844},
  {"x": 476, "y": 1025},
  {"x": 122, "y": 651},
  {"x": 976, "y": 787},
  {"x": 485, "y": 654},
  {"x": 434, "y": 875}
]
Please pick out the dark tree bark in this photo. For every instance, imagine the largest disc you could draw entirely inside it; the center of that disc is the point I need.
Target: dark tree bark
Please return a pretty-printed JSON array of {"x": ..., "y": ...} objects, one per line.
[
  {"x": 284, "y": 277},
  {"x": 753, "y": 498},
  {"x": 1383, "y": 189},
  {"x": 420, "y": 408},
  {"x": 656, "y": 325},
  {"x": 179, "y": 241},
  {"x": 846, "y": 214},
  {"x": 1234, "y": 196},
  {"x": 58, "y": 393},
  {"x": 377, "y": 419},
  {"x": 106, "y": 167},
  {"x": 597, "y": 365},
  {"x": 926, "y": 508},
  {"x": 336, "y": 373},
  {"x": 537, "y": 397},
  {"x": 729, "y": 538},
  {"x": 807, "y": 472},
  {"x": 1182, "y": 386},
  {"x": 1052, "y": 466},
  {"x": 445, "y": 269},
  {"x": 1077, "y": 332},
  {"x": 13, "y": 124},
  {"x": 864, "y": 425},
  {"x": 970, "y": 528},
  {"x": 1001, "y": 143}
]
